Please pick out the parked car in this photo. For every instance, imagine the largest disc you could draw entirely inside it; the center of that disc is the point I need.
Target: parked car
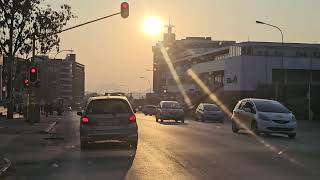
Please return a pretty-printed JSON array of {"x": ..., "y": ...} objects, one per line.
[
  {"x": 108, "y": 118},
  {"x": 263, "y": 116},
  {"x": 170, "y": 110},
  {"x": 206, "y": 111},
  {"x": 149, "y": 110}
]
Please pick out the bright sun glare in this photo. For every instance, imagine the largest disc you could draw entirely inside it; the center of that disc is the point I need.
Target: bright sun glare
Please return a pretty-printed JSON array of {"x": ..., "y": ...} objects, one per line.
[{"x": 153, "y": 25}]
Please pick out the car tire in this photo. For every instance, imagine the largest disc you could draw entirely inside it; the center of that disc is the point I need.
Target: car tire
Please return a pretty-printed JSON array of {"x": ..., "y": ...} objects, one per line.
[
  {"x": 84, "y": 144},
  {"x": 292, "y": 136},
  {"x": 235, "y": 128},
  {"x": 201, "y": 118},
  {"x": 254, "y": 128}
]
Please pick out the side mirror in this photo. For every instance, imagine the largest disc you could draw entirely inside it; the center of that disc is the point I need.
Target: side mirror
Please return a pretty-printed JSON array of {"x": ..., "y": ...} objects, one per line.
[{"x": 79, "y": 113}]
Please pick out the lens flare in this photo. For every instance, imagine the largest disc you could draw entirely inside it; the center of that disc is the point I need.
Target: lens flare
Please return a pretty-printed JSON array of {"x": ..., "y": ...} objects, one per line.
[{"x": 175, "y": 75}]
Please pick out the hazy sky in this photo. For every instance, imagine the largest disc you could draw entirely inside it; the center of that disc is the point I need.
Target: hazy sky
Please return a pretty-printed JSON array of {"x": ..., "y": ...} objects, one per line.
[{"x": 117, "y": 51}]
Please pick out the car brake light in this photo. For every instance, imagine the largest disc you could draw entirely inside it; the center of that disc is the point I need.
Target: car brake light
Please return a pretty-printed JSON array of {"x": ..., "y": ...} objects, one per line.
[
  {"x": 132, "y": 118},
  {"x": 84, "y": 120}
]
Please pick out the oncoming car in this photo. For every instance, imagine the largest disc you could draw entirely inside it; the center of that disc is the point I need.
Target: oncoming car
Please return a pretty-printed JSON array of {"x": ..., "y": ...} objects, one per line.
[
  {"x": 263, "y": 116},
  {"x": 108, "y": 118}
]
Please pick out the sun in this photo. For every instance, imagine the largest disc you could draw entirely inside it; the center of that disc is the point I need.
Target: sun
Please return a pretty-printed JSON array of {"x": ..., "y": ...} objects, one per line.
[{"x": 153, "y": 25}]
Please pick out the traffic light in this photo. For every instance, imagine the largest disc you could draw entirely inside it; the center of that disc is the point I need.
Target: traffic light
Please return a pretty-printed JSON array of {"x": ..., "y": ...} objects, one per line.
[
  {"x": 124, "y": 10},
  {"x": 26, "y": 83},
  {"x": 33, "y": 74}
]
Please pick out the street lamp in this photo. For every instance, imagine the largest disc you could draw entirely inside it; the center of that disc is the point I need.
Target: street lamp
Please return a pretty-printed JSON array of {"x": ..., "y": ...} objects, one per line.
[
  {"x": 142, "y": 77},
  {"x": 282, "y": 48},
  {"x": 66, "y": 50}
]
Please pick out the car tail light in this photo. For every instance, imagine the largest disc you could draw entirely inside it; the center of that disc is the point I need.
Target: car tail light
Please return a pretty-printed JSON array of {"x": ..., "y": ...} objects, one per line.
[
  {"x": 85, "y": 120},
  {"x": 132, "y": 118}
]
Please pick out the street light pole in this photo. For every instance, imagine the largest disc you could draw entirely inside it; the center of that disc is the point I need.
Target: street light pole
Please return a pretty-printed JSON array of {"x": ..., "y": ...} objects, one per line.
[
  {"x": 284, "y": 72},
  {"x": 142, "y": 77}
]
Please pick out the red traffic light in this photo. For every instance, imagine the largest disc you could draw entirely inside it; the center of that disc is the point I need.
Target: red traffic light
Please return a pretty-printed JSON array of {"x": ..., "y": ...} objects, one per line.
[
  {"x": 33, "y": 70},
  {"x": 124, "y": 9},
  {"x": 124, "y": 5},
  {"x": 33, "y": 75},
  {"x": 26, "y": 83}
]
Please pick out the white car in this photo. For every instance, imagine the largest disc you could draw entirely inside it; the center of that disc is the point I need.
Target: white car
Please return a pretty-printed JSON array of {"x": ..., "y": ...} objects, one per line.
[
  {"x": 263, "y": 116},
  {"x": 170, "y": 110}
]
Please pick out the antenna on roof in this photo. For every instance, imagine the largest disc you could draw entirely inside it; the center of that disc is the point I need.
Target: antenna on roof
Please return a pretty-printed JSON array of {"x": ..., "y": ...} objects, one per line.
[{"x": 170, "y": 26}]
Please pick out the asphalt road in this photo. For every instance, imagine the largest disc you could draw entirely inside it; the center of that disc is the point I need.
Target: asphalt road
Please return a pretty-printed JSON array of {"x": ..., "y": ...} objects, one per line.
[{"x": 194, "y": 150}]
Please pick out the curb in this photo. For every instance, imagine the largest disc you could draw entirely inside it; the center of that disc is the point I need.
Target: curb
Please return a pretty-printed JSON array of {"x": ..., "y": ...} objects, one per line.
[
  {"x": 50, "y": 127},
  {"x": 6, "y": 167}
]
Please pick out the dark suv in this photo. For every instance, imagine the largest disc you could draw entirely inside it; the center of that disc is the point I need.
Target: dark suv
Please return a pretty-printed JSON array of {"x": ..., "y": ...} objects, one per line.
[{"x": 108, "y": 118}]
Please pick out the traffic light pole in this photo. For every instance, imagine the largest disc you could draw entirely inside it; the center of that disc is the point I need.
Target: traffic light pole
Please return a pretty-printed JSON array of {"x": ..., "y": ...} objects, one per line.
[{"x": 33, "y": 110}]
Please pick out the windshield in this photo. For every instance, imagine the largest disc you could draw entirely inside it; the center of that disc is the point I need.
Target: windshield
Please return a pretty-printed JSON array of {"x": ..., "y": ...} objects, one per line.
[
  {"x": 270, "y": 106},
  {"x": 211, "y": 108},
  {"x": 171, "y": 105}
]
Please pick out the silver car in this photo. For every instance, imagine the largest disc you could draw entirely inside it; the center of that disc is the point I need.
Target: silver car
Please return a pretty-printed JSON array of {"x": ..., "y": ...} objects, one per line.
[
  {"x": 263, "y": 116},
  {"x": 170, "y": 110},
  {"x": 206, "y": 111},
  {"x": 108, "y": 118}
]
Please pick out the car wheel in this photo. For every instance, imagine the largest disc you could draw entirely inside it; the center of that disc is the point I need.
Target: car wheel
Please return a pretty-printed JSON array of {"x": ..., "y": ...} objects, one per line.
[
  {"x": 292, "y": 136},
  {"x": 254, "y": 128},
  {"x": 235, "y": 129},
  {"x": 84, "y": 144}
]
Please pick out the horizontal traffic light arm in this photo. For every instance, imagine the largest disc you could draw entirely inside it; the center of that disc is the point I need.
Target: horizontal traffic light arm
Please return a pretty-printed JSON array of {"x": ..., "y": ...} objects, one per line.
[{"x": 79, "y": 25}]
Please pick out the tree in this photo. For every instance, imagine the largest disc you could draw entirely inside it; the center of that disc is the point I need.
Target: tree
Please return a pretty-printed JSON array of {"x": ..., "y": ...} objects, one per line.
[{"x": 20, "y": 21}]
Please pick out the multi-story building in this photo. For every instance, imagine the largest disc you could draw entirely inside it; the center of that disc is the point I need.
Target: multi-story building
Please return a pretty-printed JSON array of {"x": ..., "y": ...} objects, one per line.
[
  {"x": 61, "y": 79},
  {"x": 177, "y": 51},
  {"x": 289, "y": 73}
]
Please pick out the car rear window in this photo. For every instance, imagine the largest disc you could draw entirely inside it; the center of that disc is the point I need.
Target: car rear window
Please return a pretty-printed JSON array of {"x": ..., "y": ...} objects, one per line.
[
  {"x": 211, "y": 108},
  {"x": 270, "y": 106},
  {"x": 108, "y": 106},
  {"x": 171, "y": 105}
]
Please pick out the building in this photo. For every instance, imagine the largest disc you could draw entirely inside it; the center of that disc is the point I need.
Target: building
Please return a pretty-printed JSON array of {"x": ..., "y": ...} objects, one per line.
[
  {"x": 177, "y": 51},
  {"x": 288, "y": 73},
  {"x": 61, "y": 79}
]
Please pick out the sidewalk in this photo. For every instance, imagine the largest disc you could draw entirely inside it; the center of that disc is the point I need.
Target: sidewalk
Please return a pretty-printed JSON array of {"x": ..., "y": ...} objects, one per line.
[
  {"x": 19, "y": 126},
  {"x": 10, "y": 129}
]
